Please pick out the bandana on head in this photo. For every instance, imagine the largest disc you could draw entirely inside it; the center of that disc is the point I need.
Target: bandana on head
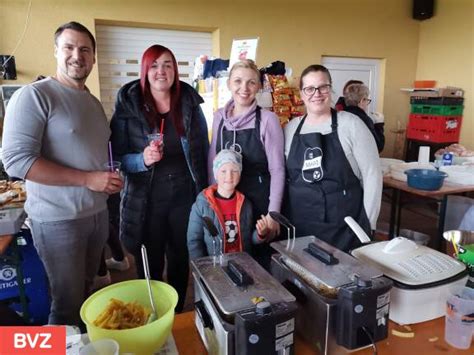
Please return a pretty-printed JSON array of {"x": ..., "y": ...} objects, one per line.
[{"x": 226, "y": 156}]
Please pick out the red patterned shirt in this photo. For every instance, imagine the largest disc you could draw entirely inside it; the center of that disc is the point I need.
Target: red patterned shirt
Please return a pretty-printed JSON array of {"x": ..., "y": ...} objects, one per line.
[{"x": 228, "y": 207}]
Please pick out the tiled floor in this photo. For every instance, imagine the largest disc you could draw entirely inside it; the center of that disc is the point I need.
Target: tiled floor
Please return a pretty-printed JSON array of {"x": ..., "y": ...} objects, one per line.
[{"x": 420, "y": 217}]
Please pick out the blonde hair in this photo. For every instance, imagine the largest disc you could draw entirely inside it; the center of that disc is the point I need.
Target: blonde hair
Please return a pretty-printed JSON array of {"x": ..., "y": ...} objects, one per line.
[{"x": 245, "y": 64}]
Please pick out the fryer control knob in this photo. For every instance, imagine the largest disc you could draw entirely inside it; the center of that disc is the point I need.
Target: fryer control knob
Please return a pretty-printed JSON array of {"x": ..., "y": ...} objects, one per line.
[{"x": 263, "y": 307}]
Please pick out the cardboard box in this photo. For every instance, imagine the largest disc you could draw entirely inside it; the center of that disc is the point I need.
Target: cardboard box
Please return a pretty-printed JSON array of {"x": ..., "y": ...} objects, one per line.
[
  {"x": 438, "y": 92},
  {"x": 11, "y": 220}
]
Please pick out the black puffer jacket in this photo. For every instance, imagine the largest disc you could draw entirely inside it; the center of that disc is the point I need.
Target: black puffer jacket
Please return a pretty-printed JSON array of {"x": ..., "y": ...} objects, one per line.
[{"x": 129, "y": 130}]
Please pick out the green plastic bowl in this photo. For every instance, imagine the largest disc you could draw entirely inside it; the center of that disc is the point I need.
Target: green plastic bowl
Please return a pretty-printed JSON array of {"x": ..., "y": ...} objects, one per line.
[{"x": 146, "y": 339}]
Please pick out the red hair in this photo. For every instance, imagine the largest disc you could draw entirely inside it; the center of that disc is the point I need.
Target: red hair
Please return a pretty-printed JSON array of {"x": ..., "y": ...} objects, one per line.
[{"x": 149, "y": 107}]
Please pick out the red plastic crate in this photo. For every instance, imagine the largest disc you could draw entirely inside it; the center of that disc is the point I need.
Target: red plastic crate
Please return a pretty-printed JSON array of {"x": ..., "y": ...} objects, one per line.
[{"x": 437, "y": 129}]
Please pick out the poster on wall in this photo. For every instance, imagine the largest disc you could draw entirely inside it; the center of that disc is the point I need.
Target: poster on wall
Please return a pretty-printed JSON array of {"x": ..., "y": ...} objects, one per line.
[{"x": 243, "y": 49}]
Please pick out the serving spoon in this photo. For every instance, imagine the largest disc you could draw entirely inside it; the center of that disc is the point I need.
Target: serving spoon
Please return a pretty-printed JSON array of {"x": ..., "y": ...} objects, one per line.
[{"x": 153, "y": 315}]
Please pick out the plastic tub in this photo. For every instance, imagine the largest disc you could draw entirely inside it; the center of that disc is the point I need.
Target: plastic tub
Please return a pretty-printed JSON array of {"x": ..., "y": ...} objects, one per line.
[
  {"x": 146, "y": 339},
  {"x": 425, "y": 179},
  {"x": 397, "y": 171},
  {"x": 417, "y": 237},
  {"x": 424, "y": 84},
  {"x": 101, "y": 347}
]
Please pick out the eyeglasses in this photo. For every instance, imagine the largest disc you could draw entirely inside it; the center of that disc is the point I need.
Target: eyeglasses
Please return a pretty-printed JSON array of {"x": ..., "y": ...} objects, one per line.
[
  {"x": 311, "y": 90},
  {"x": 368, "y": 100}
]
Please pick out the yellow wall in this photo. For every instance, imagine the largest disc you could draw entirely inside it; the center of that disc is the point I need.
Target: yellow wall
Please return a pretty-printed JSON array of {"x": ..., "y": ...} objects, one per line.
[
  {"x": 446, "y": 54},
  {"x": 298, "y": 32}
]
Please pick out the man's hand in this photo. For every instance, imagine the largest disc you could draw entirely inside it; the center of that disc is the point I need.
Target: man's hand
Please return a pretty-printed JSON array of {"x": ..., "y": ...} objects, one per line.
[{"x": 100, "y": 181}]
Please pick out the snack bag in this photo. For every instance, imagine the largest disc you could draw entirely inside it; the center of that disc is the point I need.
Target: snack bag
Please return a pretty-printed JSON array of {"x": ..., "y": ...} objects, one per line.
[{"x": 296, "y": 97}]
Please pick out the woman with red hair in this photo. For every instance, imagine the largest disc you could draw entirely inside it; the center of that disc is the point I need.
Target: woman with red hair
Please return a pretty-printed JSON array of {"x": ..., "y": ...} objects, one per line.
[{"x": 161, "y": 178}]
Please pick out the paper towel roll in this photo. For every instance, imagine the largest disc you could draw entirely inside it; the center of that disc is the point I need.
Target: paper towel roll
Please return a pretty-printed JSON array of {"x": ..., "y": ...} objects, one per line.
[{"x": 424, "y": 155}]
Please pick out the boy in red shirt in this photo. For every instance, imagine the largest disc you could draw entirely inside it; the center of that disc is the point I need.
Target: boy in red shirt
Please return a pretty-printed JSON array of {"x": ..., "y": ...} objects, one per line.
[{"x": 229, "y": 210}]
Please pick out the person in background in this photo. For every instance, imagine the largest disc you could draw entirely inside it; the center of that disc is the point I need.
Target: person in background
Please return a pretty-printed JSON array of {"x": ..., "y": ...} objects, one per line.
[
  {"x": 56, "y": 137},
  {"x": 341, "y": 103},
  {"x": 256, "y": 133},
  {"x": 357, "y": 102},
  {"x": 162, "y": 178},
  {"x": 229, "y": 210},
  {"x": 332, "y": 165}
]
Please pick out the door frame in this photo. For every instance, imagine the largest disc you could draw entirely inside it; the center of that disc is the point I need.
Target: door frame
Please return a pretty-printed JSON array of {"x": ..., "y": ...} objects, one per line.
[{"x": 357, "y": 64}]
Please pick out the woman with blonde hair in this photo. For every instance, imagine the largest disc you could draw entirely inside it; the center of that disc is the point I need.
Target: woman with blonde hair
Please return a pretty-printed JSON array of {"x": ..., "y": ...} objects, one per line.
[{"x": 256, "y": 134}]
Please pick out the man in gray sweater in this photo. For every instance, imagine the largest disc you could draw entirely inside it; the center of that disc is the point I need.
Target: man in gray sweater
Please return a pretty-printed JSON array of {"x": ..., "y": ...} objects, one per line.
[{"x": 55, "y": 137}]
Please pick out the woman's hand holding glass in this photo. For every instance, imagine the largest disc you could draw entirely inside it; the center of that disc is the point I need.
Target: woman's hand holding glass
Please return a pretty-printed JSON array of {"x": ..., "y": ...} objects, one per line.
[{"x": 153, "y": 152}]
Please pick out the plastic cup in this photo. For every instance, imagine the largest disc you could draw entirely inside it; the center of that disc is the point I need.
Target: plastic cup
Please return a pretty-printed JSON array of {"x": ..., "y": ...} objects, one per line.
[
  {"x": 155, "y": 137},
  {"x": 101, "y": 347},
  {"x": 113, "y": 166},
  {"x": 459, "y": 325}
]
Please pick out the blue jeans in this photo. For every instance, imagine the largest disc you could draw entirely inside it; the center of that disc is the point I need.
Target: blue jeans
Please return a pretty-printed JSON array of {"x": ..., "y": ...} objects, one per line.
[{"x": 70, "y": 251}]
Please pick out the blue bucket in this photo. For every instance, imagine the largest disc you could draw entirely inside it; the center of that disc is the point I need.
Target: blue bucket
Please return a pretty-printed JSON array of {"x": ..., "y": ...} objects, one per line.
[{"x": 425, "y": 179}]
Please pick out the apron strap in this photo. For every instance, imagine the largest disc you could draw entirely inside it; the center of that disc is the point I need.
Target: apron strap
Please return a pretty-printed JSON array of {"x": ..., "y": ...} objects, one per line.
[
  {"x": 333, "y": 120},
  {"x": 298, "y": 129},
  {"x": 258, "y": 119},
  {"x": 219, "y": 132}
]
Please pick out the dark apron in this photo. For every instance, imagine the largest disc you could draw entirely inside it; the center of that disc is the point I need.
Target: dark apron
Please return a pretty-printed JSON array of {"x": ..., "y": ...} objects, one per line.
[
  {"x": 322, "y": 188},
  {"x": 255, "y": 178}
]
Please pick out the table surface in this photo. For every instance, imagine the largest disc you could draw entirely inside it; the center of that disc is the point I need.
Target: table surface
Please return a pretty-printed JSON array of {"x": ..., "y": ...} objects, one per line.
[
  {"x": 428, "y": 339},
  {"x": 446, "y": 189}
]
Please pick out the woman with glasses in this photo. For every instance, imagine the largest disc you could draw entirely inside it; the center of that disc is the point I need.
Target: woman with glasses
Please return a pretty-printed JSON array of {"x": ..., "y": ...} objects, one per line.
[
  {"x": 356, "y": 97},
  {"x": 255, "y": 133},
  {"x": 333, "y": 167}
]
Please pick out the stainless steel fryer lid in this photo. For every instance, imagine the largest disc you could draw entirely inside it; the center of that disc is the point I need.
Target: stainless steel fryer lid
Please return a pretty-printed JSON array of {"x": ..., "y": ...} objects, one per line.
[
  {"x": 230, "y": 298},
  {"x": 332, "y": 275}
]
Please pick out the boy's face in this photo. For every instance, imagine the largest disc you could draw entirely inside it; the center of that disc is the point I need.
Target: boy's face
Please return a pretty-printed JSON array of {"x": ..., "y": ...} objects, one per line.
[{"x": 228, "y": 177}]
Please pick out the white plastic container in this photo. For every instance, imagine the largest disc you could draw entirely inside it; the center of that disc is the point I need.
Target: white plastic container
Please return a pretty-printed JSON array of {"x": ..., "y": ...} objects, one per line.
[
  {"x": 422, "y": 277},
  {"x": 459, "y": 310},
  {"x": 410, "y": 306},
  {"x": 101, "y": 347}
]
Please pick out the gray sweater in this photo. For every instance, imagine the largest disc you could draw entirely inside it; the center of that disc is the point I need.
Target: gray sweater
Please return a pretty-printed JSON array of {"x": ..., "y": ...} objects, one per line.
[
  {"x": 360, "y": 150},
  {"x": 66, "y": 126}
]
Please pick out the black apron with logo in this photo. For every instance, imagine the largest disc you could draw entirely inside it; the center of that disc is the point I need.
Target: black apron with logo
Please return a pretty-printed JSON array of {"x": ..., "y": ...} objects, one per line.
[
  {"x": 255, "y": 178},
  {"x": 322, "y": 188}
]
